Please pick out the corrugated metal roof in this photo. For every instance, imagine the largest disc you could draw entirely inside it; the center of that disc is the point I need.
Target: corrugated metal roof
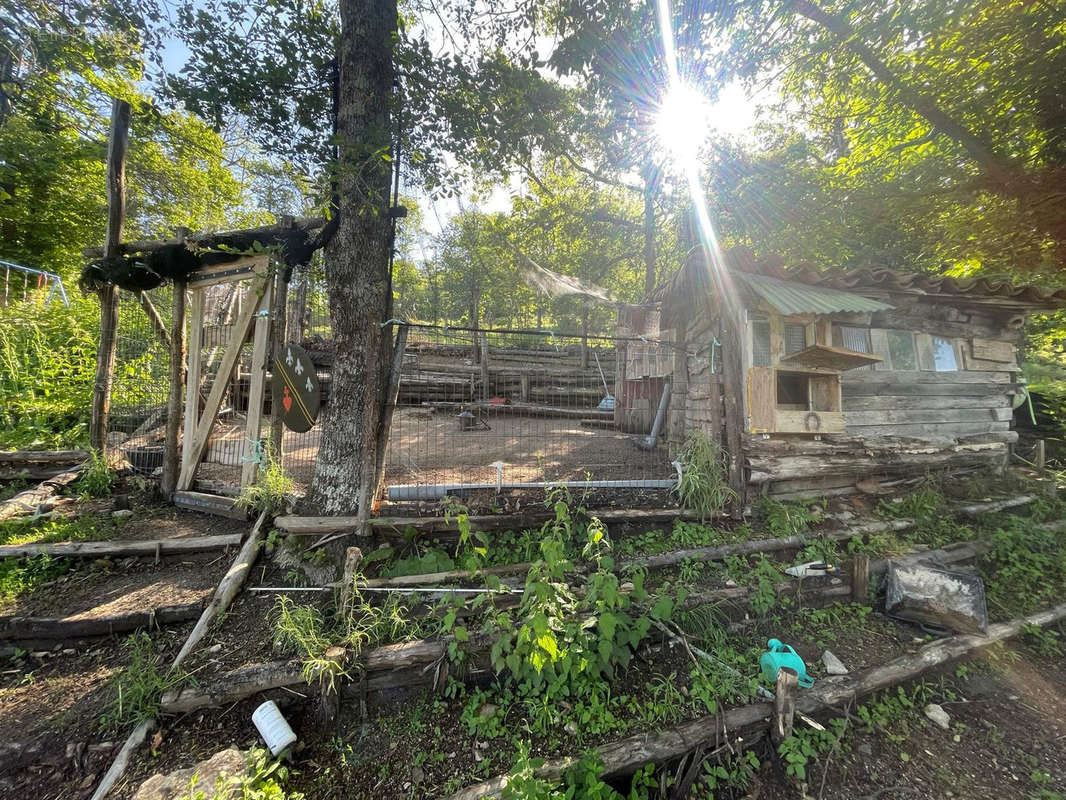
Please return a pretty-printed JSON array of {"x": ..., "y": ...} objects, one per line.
[{"x": 790, "y": 297}]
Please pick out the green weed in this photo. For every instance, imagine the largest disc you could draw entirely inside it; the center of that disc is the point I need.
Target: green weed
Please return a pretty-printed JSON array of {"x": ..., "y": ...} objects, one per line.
[
  {"x": 784, "y": 519},
  {"x": 139, "y": 687},
  {"x": 273, "y": 488},
  {"x": 704, "y": 486}
]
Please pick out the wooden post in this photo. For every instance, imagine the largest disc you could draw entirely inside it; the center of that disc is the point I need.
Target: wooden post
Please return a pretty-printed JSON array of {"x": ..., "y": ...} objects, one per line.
[
  {"x": 860, "y": 577},
  {"x": 484, "y": 348},
  {"x": 1040, "y": 458},
  {"x": 732, "y": 391},
  {"x": 116, "y": 214},
  {"x": 157, "y": 321},
  {"x": 171, "y": 467},
  {"x": 523, "y": 383},
  {"x": 784, "y": 705},
  {"x": 257, "y": 383},
  {"x": 392, "y": 393},
  {"x": 192, "y": 373},
  {"x": 279, "y": 331}
]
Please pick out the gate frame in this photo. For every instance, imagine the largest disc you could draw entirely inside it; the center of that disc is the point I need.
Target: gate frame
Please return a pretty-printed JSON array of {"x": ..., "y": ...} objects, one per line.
[{"x": 198, "y": 426}]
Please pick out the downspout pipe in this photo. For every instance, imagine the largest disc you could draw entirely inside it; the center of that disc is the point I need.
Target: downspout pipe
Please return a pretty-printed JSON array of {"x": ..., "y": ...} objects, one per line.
[{"x": 652, "y": 439}]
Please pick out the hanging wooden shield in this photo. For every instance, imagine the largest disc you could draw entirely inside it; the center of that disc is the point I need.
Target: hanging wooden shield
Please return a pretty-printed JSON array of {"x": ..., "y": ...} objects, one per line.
[{"x": 297, "y": 396}]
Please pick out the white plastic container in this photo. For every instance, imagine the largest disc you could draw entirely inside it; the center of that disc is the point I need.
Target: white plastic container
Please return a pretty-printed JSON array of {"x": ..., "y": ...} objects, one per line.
[{"x": 273, "y": 727}]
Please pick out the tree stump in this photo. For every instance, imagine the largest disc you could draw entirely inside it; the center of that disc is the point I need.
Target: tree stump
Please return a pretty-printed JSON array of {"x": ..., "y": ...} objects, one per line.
[{"x": 784, "y": 705}]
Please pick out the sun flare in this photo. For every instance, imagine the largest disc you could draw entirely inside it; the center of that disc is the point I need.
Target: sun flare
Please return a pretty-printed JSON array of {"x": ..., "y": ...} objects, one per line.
[{"x": 682, "y": 122}]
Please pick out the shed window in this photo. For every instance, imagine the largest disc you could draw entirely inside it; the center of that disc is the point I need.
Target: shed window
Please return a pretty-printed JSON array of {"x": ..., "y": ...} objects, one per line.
[
  {"x": 943, "y": 355},
  {"x": 760, "y": 343},
  {"x": 795, "y": 339},
  {"x": 852, "y": 338},
  {"x": 901, "y": 350}
]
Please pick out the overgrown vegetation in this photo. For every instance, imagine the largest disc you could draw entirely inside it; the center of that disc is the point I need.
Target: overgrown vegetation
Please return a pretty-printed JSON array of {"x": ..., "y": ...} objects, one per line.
[
  {"x": 96, "y": 477},
  {"x": 272, "y": 490},
  {"x": 139, "y": 687},
  {"x": 704, "y": 486}
]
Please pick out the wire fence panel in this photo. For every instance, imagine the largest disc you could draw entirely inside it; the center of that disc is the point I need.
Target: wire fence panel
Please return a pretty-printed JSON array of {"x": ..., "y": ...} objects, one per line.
[
  {"x": 139, "y": 390},
  {"x": 480, "y": 406}
]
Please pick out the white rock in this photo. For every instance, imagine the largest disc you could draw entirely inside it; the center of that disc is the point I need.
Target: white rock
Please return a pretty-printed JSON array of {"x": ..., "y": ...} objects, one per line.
[
  {"x": 938, "y": 715},
  {"x": 122, "y": 513},
  {"x": 212, "y": 774},
  {"x": 833, "y": 665}
]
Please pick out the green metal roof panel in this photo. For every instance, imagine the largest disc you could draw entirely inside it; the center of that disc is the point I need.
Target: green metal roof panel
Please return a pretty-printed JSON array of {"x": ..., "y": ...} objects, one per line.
[{"x": 790, "y": 297}]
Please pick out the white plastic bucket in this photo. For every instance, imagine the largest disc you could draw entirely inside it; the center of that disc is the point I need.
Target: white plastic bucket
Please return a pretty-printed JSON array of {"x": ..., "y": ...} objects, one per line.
[{"x": 273, "y": 727}]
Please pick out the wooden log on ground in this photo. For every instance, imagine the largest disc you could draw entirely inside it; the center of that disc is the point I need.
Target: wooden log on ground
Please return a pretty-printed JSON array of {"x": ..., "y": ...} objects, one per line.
[
  {"x": 719, "y": 552},
  {"x": 998, "y": 505},
  {"x": 120, "y": 548},
  {"x": 67, "y": 628},
  {"x": 68, "y": 457},
  {"x": 118, "y": 766},
  {"x": 27, "y": 502},
  {"x": 234, "y": 685},
  {"x": 627, "y": 755},
  {"x": 489, "y": 522},
  {"x": 433, "y": 578},
  {"x": 227, "y": 589}
]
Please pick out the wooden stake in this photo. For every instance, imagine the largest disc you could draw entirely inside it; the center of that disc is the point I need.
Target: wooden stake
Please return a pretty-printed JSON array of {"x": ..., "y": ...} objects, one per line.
[
  {"x": 353, "y": 557},
  {"x": 784, "y": 705},
  {"x": 116, "y": 214},
  {"x": 171, "y": 465},
  {"x": 860, "y": 577}
]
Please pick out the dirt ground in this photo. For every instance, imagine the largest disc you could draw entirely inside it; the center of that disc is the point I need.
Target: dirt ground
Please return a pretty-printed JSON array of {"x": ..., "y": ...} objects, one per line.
[{"x": 428, "y": 447}]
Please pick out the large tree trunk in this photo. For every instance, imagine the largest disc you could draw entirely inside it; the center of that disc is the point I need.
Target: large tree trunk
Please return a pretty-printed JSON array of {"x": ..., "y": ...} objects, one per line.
[{"x": 357, "y": 261}]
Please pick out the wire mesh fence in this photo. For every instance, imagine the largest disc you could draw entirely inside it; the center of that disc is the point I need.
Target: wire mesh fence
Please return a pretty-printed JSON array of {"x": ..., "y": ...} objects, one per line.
[
  {"x": 140, "y": 386},
  {"x": 475, "y": 407}
]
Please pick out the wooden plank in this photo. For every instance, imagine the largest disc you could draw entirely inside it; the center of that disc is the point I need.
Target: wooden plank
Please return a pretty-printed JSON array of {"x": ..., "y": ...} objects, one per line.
[
  {"x": 196, "y": 444},
  {"x": 957, "y": 376},
  {"x": 63, "y": 457},
  {"x": 171, "y": 463},
  {"x": 194, "y": 361},
  {"x": 762, "y": 400},
  {"x": 151, "y": 547},
  {"x": 929, "y": 429},
  {"x": 878, "y": 402},
  {"x": 893, "y": 389},
  {"x": 992, "y": 350},
  {"x": 210, "y": 504},
  {"x": 16, "y": 628},
  {"x": 911, "y": 416},
  {"x": 257, "y": 389},
  {"x": 317, "y": 525},
  {"x": 802, "y": 422}
]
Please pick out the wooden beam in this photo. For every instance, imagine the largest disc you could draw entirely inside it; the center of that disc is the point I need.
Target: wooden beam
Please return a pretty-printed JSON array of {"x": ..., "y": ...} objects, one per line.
[
  {"x": 209, "y": 240},
  {"x": 67, "y": 628},
  {"x": 257, "y": 389},
  {"x": 198, "y": 442},
  {"x": 118, "y": 141},
  {"x": 121, "y": 549},
  {"x": 171, "y": 465},
  {"x": 61, "y": 457},
  {"x": 392, "y": 393},
  {"x": 194, "y": 361},
  {"x": 157, "y": 321}
]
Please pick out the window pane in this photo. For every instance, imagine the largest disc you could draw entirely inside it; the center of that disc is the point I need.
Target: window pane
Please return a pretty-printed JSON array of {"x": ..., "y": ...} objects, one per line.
[
  {"x": 901, "y": 350},
  {"x": 943, "y": 355},
  {"x": 760, "y": 343},
  {"x": 795, "y": 338},
  {"x": 857, "y": 339}
]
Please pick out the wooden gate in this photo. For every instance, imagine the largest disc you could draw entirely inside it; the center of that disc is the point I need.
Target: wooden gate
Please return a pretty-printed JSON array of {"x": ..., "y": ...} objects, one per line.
[{"x": 253, "y": 319}]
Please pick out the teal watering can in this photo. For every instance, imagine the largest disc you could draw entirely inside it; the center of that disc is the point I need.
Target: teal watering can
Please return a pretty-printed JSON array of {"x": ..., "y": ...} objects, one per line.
[{"x": 782, "y": 655}]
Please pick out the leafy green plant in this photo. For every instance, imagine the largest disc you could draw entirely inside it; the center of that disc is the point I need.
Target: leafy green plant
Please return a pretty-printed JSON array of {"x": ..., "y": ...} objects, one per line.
[
  {"x": 140, "y": 685},
  {"x": 783, "y": 519},
  {"x": 733, "y": 771},
  {"x": 263, "y": 780},
  {"x": 96, "y": 477},
  {"x": 922, "y": 503},
  {"x": 704, "y": 486},
  {"x": 272, "y": 488},
  {"x": 1044, "y": 641},
  {"x": 806, "y": 745},
  {"x": 23, "y": 575}
]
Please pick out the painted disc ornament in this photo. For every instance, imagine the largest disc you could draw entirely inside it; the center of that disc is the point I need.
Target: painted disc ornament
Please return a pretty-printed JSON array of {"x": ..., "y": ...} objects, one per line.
[{"x": 297, "y": 395}]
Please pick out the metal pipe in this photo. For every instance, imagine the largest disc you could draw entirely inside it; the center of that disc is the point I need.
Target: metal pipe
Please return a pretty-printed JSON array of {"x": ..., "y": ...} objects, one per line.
[
  {"x": 653, "y": 437},
  {"x": 437, "y": 491}
]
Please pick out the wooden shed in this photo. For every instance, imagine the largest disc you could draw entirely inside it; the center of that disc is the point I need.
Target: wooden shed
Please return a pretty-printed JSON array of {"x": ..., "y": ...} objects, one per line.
[{"x": 817, "y": 379}]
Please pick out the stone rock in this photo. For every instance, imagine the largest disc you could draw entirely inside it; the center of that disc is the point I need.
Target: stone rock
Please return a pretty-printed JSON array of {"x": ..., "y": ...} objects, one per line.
[
  {"x": 227, "y": 763},
  {"x": 833, "y": 665},
  {"x": 122, "y": 513},
  {"x": 938, "y": 715}
]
